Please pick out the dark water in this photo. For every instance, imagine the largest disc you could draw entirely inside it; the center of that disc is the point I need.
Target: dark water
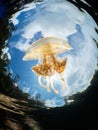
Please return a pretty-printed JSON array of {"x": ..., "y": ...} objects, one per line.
[{"x": 83, "y": 113}]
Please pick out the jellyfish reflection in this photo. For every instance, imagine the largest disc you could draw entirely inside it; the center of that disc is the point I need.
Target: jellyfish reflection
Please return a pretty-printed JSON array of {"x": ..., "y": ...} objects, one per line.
[{"x": 47, "y": 49}]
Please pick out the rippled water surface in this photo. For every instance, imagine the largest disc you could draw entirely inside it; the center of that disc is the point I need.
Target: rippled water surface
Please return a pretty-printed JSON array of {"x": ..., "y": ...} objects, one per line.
[{"x": 58, "y": 18}]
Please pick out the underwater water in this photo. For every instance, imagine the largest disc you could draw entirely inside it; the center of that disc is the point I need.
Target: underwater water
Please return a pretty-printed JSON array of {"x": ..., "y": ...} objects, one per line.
[{"x": 57, "y": 18}]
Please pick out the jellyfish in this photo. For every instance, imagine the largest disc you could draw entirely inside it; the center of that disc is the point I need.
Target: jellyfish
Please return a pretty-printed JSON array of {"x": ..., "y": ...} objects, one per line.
[{"x": 47, "y": 50}]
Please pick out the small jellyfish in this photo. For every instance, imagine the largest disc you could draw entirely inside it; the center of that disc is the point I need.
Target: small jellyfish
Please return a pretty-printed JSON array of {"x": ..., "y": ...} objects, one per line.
[{"x": 47, "y": 49}]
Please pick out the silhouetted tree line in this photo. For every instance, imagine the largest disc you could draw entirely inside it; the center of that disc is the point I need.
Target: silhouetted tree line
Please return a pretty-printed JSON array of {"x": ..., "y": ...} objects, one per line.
[{"x": 7, "y": 84}]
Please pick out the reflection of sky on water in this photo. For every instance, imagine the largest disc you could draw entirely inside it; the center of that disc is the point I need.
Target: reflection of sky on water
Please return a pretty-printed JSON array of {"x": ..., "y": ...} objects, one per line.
[{"x": 54, "y": 18}]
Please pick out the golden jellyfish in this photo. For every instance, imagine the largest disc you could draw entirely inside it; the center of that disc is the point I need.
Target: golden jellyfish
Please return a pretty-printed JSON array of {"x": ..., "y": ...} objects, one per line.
[{"x": 47, "y": 49}]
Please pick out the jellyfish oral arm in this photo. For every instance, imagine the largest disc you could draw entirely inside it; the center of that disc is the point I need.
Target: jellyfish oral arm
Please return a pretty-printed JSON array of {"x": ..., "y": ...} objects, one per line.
[
  {"x": 40, "y": 82},
  {"x": 47, "y": 86},
  {"x": 63, "y": 82},
  {"x": 47, "y": 69},
  {"x": 53, "y": 87}
]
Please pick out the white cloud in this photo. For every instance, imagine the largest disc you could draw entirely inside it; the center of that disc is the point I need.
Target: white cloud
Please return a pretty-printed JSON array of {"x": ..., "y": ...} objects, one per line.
[
  {"x": 22, "y": 46},
  {"x": 27, "y": 7},
  {"x": 54, "y": 102},
  {"x": 55, "y": 22}
]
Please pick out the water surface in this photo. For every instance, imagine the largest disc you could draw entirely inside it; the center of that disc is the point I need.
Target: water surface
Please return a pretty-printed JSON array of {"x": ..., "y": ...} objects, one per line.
[{"x": 59, "y": 18}]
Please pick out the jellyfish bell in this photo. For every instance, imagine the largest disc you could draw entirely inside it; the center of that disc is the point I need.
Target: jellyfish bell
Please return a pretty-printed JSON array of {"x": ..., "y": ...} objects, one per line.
[
  {"x": 46, "y": 46},
  {"x": 47, "y": 49}
]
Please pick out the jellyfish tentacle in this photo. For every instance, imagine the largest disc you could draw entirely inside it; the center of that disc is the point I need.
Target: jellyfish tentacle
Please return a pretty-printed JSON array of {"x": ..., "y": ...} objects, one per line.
[
  {"x": 48, "y": 84},
  {"x": 63, "y": 82},
  {"x": 40, "y": 82},
  {"x": 60, "y": 65},
  {"x": 52, "y": 86}
]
